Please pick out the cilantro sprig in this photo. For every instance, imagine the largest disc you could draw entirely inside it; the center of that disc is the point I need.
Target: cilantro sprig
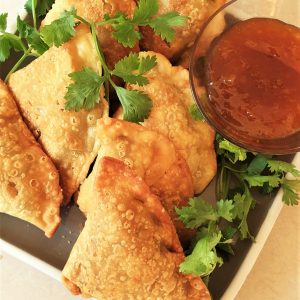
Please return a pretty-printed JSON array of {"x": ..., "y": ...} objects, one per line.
[
  {"x": 83, "y": 92},
  {"x": 131, "y": 69},
  {"x": 126, "y": 28},
  {"x": 219, "y": 226}
]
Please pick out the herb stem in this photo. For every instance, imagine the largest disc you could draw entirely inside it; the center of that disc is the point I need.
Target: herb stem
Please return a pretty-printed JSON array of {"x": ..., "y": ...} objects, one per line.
[
  {"x": 98, "y": 49},
  {"x": 106, "y": 71},
  {"x": 103, "y": 23},
  {"x": 33, "y": 6},
  {"x": 18, "y": 63},
  {"x": 82, "y": 20},
  {"x": 17, "y": 39}
]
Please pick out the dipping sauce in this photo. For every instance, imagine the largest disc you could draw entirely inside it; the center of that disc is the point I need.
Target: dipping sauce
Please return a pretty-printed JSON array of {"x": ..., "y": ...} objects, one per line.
[{"x": 253, "y": 77}]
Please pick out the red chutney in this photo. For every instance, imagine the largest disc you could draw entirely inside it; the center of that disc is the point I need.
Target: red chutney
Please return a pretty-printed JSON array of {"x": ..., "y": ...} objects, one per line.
[{"x": 253, "y": 77}]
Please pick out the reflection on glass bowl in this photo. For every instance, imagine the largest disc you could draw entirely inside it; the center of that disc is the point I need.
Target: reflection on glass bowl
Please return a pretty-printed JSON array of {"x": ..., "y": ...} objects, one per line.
[{"x": 254, "y": 137}]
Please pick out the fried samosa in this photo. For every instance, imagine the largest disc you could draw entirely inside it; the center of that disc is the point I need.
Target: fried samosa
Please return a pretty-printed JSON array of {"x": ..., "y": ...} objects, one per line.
[
  {"x": 152, "y": 156},
  {"x": 29, "y": 182},
  {"x": 68, "y": 137},
  {"x": 170, "y": 93},
  {"x": 94, "y": 11},
  {"x": 197, "y": 12},
  {"x": 128, "y": 248}
]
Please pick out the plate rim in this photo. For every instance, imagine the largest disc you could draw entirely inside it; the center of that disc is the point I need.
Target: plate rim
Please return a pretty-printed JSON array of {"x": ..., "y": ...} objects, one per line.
[{"x": 244, "y": 269}]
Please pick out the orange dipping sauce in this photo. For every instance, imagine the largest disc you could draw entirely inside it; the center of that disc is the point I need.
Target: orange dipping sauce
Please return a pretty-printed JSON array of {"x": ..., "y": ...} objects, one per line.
[{"x": 253, "y": 77}]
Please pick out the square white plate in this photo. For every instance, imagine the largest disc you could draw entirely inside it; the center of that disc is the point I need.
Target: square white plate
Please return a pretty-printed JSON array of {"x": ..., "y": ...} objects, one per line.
[{"x": 28, "y": 243}]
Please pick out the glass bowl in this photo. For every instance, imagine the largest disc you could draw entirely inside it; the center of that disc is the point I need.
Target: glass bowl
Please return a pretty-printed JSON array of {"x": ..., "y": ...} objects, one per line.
[{"x": 232, "y": 13}]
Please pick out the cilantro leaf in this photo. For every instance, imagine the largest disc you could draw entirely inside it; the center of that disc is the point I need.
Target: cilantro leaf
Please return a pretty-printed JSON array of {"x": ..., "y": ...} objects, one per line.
[
  {"x": 131, "y": 69},
  {"x": 23, "y": 28},
  {"x": 147, "y": 63},
  {"x": 235, "y": 153},
  {"x": 198, "y": 212},
  {"x": 60, "y": 30},
  {"x": 204, "y": 259},
  {"x": 196, "y": 113},
  {"x": 35, "y": 41},
  {"x": 5, "y": 48},
  {"x": 257, "y": 165},
  {"x": 41, "y": 6},
  {"x": 136, "y": 104},
  {"x": 126, "y": 29},
  {"x": 259, "y": 180},
  {"x": 84, "y": 92},
  {"x": 162, "y": 25},
  {"x": 3, "y": 22},
  {"x": 224, "y": 209},
  {"x": 7, "y": 43},
  {"x": 126, "y": 34},
  {"x": 144, "y": 11},
  {"x": 281, "y": 167},
  {"x": 242, "y": 205},
  {"x": 32, "y": 36},
  {"x": 291, "y": 191}
]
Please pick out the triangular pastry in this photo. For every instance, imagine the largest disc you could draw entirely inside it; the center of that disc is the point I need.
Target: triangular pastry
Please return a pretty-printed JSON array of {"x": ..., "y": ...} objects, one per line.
[
  {"x": 128, "y": 248},
  {"x": 29, "y": 182},
  {"x": 153, "y": 157},
  {"x": 94, "y": 11},
  {"x": 170, "y": 92},
  {"x": 68, "y": 137}
]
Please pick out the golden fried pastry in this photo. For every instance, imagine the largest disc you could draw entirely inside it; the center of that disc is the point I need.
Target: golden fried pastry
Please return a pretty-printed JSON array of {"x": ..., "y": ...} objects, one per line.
[
  {"x": 94, "y": 11},
  {"x": 29, "y": 182},
  {"x": 197, "y": 11},
  {"x": 170, "y": 92},
  {"x": 214, "y": 28},
  {"x": 128, "y": 248},
  {"x": 68, "y": 137},
  {"x": 152, "y": 156}
]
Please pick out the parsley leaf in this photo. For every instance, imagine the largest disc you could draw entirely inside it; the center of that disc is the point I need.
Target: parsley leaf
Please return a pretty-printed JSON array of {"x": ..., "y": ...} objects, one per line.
[
  {"x": 60, "y": 30},
  {"x": 3, "y": 22},
  {"x": 281, "y": 167},
  {"x": 131, "y": 68},
  {"x": 196, "y": 113},
  {"x": 136, "y": 104},
  {"x": 291, "y": 191},
  {"x": 84, "y": 92}
]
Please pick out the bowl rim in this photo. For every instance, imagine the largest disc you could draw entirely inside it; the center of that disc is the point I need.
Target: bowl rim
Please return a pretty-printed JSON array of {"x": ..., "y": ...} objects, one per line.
[{"x": 235, "y": 138}]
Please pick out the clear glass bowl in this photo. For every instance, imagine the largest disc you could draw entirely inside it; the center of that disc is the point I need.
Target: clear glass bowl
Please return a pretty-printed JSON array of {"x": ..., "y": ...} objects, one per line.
[{"x": 234, "y": 11}]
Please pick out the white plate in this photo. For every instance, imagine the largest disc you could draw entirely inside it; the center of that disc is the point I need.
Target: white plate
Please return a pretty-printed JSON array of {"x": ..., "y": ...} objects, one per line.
[{"x": 28, "y": 244}]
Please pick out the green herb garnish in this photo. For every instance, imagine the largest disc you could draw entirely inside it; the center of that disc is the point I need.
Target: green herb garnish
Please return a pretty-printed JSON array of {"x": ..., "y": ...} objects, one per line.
[
  {"x": 83, "y": 92},
  {"x": 220, "y": 225}
]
